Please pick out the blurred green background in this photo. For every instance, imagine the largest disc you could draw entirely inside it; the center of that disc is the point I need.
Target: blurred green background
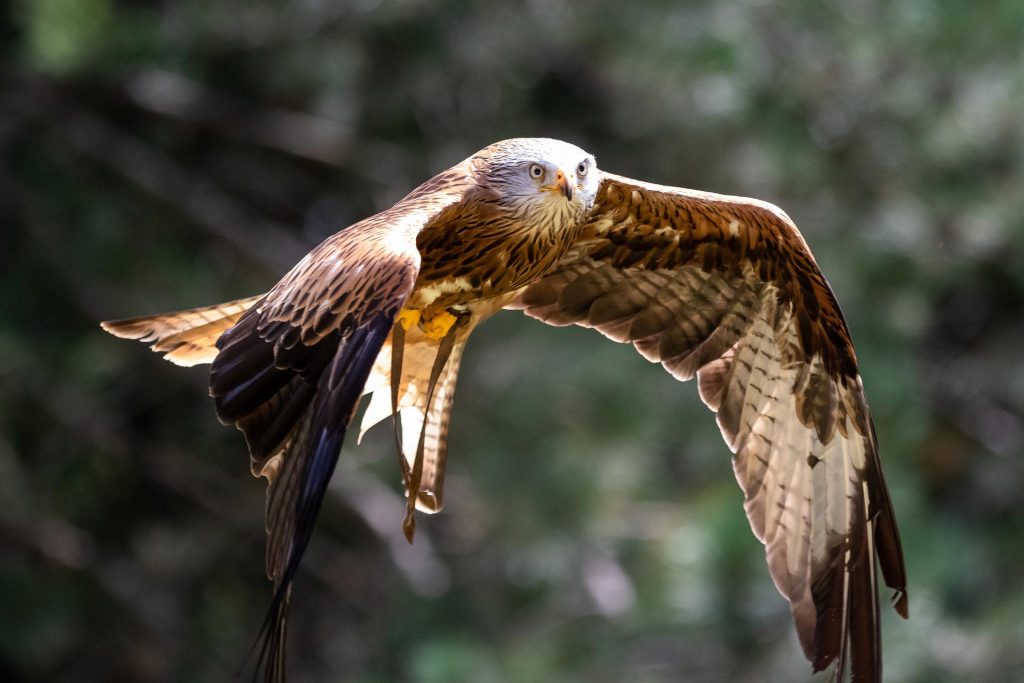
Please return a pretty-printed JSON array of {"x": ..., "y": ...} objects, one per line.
[{"x": 160, "y": 155}]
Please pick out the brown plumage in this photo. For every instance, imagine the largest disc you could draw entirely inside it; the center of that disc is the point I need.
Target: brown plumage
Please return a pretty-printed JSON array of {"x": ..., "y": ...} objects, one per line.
[{"x": 721, "y": 288}]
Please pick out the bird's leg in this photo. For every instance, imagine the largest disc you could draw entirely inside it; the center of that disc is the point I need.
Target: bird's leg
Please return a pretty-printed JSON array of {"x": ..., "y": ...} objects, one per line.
[
  {"x": 397, "y": 353},
  {"x": 444, "y": 352}
]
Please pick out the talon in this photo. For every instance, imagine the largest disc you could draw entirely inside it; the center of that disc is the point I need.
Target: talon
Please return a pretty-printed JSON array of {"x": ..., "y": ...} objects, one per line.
[
  {"x": 408, "y": 318},
  {"x": 438, "y": 325}
]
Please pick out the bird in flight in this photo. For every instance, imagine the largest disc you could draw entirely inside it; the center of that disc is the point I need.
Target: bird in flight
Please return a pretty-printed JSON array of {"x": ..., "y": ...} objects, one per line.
[{"x": 720, "y": 288}]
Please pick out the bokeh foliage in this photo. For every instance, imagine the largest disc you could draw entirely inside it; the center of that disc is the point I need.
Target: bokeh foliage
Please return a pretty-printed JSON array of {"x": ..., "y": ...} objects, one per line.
[{"x": 161, "y": 155}]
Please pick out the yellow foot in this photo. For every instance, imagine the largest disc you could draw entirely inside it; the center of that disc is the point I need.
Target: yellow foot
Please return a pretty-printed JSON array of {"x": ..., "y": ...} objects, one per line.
[
  {"x": 408, "y": 317},
  {"x": 438, "y": 324}
]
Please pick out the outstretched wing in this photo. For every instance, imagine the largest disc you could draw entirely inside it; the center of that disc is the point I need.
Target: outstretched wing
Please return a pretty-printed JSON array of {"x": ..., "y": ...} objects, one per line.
[
  {"x": 725, "y": 288},
  {"x": 291, "y": 371}
]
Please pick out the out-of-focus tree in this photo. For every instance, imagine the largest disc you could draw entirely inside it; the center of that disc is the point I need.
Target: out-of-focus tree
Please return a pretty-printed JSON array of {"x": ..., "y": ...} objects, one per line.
[{"x": 163, "y": 155}]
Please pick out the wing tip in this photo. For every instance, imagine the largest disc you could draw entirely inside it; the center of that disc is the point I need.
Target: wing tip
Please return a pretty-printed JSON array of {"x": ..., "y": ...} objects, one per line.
[{"x": 900, "y": 602}]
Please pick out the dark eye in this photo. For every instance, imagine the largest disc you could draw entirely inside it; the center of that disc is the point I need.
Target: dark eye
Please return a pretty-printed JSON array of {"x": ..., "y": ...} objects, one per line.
[
  {"x": 536, "y": 171},
  {"x": 582, "y": 169}
]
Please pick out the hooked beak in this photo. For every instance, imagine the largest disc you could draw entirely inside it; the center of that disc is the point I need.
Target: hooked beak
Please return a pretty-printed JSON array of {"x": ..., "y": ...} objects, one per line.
[{"x": 564, "y": 184}]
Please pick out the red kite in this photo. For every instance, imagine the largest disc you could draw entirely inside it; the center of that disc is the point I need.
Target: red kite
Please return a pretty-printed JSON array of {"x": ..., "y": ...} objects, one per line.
[{"x": 721, "y": 288}]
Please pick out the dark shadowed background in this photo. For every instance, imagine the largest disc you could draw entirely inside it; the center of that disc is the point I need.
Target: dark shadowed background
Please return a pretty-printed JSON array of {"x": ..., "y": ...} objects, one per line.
[{"x": 161, "y": 155}]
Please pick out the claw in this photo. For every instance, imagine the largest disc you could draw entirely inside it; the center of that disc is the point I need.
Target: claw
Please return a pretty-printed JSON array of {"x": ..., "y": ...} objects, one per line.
[{"x": 438, "y": 324}]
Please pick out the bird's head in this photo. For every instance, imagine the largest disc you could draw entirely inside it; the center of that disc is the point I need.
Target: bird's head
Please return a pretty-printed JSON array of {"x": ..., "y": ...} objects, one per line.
[{"x": 541, "y": 179}]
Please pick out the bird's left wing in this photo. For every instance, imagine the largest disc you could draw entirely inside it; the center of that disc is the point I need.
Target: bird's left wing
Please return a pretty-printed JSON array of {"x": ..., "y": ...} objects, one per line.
[
  {"x": 290, "y": 372},
  {"x": 726, "y": 289}
]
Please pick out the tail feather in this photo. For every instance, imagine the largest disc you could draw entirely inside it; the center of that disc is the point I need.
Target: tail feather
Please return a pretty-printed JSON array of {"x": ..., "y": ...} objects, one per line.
[{"x": 184, "y": 337}]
